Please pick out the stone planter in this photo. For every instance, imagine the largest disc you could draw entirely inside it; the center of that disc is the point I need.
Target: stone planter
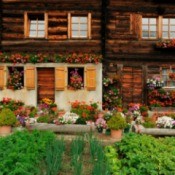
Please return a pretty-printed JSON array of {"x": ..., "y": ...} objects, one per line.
[
  {"x": 5, "y": 130},
  {"x": 158, "y": 131},
  {"x": 116, "y": 134}
]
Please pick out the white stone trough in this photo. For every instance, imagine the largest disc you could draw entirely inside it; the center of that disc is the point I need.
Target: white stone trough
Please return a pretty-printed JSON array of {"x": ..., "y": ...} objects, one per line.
[
  {"x": 65, "y": 128},
  {"x": 158, "y": 131}
]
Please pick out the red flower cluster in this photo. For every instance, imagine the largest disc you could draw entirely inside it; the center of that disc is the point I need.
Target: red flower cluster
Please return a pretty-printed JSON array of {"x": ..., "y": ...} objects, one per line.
[
  {"x": 45, "y": 58},
  {"x": 166, "y": 44},
  {"x": 161, "y": 98}
]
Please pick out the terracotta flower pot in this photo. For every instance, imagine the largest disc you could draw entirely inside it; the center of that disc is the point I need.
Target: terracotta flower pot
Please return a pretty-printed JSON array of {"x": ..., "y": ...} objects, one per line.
[
  {"x": 116, "y": 134},
  {"x": 5, "y": 130}
]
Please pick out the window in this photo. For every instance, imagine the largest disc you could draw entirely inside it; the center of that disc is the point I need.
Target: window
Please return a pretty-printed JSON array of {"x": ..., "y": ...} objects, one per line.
[
  {"x": 79, "y": 26},
  {"x": 15, "y": 79},
  {"x": 149, "y": 28},
  {"x": 75, "y": 78},
  {"x": 35, "y": 25},
  {"x": 168, "y": 28},
  {"x": 166, "y": 76}
]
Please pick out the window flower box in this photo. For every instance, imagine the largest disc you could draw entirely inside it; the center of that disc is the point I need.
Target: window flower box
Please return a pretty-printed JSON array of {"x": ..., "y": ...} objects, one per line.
[
  {"x": 166, "y": 45},
  {"x": 172, "y": 75}
]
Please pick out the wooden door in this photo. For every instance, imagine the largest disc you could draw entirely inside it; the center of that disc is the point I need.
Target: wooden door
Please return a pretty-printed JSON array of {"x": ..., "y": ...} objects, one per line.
[
  {"x": 132, "y": 85},
  {"x": 46, "y": 84}
]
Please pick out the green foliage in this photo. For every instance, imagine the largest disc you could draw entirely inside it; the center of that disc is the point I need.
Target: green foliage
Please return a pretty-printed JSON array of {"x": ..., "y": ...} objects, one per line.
[
  {"x": 54, "y": 155},
  {"x": 7, "y": 117},
  {"x": 98, "y": 157},
  {"x": 11, "y": 104},
  {"x": 43, "y": 119},
  {"x": 149, "y": 123},
  {"x": 114, "y": 164},
  {"x": 22, "y": 152},
  {"x": 146, "y": 155},
  {"x": 117, "y": 121},
  {"x": 77, "y": 147}
]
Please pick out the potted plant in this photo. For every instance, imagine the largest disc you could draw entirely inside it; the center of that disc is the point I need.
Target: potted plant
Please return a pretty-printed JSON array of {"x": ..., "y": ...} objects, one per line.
[
  {"x": 116, "y": 123},
  {"x": 7, "y": 120}
]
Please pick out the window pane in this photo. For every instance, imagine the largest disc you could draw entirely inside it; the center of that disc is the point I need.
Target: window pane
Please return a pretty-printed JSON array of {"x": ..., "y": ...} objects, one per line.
[
  {"x": 32, "y": 33},
  {"x": 75, "y": 26},
  {"x": 172, "y": 21},
  {"x": 165, "y": 34},
  {"x": 145, "y": 28},
  {"x": 41, "y": 22},
  {"x": 165, "y": 21},
  {"x": 172, "y": 28},
  {"x": 41, "y": 33},
  {"x": 74, "y": 33},
  {"x": 75, "y": 19},
  {"x": 153, "y": 34},
  {"x": 144, "y": 20},
  {"x": 83, "y": 27},
  {"x": 83, "y": 33},
  {"x": 33, "y": 27},
  {"x": 153, "y": 28},
  {"x": 172, "y": 34},
  {"x": 152, "y": 20},
  {"x": 165, "y": 28},
  {"x": 40, "y": 27},
  {"x": 145, "y": 34},
  {"x": 83, "y": 19}
]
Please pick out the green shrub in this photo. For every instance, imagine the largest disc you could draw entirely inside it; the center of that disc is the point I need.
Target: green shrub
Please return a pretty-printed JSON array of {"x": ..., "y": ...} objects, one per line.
[
  {"x": 117, "y": 121},
  {"x": 7, "y": 117}
]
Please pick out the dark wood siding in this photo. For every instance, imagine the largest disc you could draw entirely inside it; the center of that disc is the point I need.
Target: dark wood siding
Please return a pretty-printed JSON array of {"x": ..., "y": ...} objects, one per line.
[{"x": 13, "y": 26}]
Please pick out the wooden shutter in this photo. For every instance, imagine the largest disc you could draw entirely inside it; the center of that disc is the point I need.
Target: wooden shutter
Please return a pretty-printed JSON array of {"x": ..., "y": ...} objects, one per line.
[
  {"x": 60, "y": 78},
  {"x": 91, "y": 78},
  {"x": 136, "y": 25},
  {"x": 2, "y": 78},
  {"x": 30, "y": 78}
]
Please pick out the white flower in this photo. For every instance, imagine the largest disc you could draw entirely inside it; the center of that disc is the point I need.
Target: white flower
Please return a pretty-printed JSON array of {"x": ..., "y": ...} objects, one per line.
[
  {"x": 164, "y": 122},
  {"x": 69, "y": 118}
]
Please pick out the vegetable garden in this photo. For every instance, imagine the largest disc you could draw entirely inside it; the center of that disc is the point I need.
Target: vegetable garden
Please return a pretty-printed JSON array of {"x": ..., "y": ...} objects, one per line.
[{"x": 42, "y": 153}]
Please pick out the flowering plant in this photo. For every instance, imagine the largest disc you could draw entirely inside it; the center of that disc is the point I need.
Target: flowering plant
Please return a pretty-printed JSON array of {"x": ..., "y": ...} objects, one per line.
[
  {"x": 46, "y": 105},
  {"x": 76, "y": 80},
  {"x": 39, "y": 58},
  {"x": 15, "y": 79},
  {"x": 101, "y": 123},
  {"x": 84, "y": 110},
  {"x": 11, "y": 104},
  {"x": 166, "y": 44},
  {"x": 172, "y": 75},
  {"x": 165, "y": 122},
  {"x": 83, "y": 58},
  {"x": 161, "y": 98},
  {"x": 154, "y": 83},
  {"x": 68, "y": 118},
  {"x": 107, "y": 81}
]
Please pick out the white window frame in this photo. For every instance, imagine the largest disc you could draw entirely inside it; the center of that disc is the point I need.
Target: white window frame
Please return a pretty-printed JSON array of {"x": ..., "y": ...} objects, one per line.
[{"x": 27, "y": 24}]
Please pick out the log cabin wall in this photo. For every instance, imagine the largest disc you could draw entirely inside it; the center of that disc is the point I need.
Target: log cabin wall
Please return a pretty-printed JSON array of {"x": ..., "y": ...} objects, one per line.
[
  {"x": 57, "y": 40},
  {"x": 134, "y": 59}
]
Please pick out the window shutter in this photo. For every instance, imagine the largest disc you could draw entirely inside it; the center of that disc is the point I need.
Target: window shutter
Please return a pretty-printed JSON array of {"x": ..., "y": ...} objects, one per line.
[
  {"x": 2, "y": 78},
  {"x": 90, "y": 78},
  {"x": 136, "y": 25},
  {"x": 30, "y": 78},
  {"x": 60, "y": 78}
]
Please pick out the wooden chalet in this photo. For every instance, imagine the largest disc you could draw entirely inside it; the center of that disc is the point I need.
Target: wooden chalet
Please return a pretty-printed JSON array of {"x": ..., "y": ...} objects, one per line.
[{"x": 124, "y": 32}]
